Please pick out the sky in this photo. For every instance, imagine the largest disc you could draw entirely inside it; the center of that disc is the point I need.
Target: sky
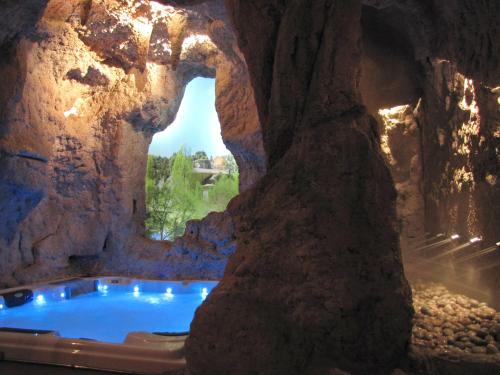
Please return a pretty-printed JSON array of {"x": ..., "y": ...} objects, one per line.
[{"x": 196, "y": 126}]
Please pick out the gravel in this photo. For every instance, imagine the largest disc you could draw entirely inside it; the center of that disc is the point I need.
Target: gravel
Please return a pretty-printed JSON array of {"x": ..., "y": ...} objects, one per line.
[{"x": 453, "y": 323}]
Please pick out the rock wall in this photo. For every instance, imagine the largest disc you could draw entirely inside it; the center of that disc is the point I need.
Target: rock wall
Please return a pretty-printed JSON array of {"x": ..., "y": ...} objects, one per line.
[
  {"x": 451, "y": 50},
  {"x": 401, "y": 144},
  {"x": 86, "y": 85},
  {"x": 317, "y": 269},
  {"x": 460, "y": 143}
]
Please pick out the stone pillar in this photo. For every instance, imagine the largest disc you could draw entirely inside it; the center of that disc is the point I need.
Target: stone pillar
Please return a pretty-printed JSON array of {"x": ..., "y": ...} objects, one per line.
[{"x": 317, "y": 280}]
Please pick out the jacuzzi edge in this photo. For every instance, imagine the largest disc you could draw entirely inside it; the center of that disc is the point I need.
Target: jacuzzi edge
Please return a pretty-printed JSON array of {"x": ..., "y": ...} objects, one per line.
[{"x": 54, "y": 350}]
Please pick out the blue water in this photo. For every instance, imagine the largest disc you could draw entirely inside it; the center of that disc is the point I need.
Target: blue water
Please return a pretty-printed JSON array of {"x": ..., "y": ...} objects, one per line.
[{"x": 110, "y": 314}]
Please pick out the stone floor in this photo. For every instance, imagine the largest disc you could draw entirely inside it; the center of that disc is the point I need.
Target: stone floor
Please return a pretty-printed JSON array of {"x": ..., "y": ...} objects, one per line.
[{"x": 454, "y": 326}]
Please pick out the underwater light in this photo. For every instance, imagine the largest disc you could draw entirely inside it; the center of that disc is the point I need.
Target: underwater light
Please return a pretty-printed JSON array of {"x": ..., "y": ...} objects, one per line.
[
  {"x": 455, "y": 237},
  {"x": 168, "y": 293},
  {"x": 102, "y": 288},
  {"x": 1, "y": 306},
  {"x": 136, "y": 291},
  {"x": 63, "y": 295},
  {"x": 475, "y": 239},
  {"x": 40, "y": 299},
  {"x": 204, "y": 293}
]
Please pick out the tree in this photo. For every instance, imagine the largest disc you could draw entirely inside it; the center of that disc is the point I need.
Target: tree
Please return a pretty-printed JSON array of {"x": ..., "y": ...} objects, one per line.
[
  {"x": 158, "y": 201},
  {"x": 174, "y": 194},
  {"x": 185, "y": 192},
  {"x": 200, "y": 155},
  {"x": 225, "y": 189}
]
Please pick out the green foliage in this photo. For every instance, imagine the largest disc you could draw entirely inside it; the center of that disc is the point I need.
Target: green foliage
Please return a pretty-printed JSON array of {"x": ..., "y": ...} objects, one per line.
[
  {"x": 174, "y": 193},
  {"x": 200, "y": 155},
  {"x": 223, "y": 191}
]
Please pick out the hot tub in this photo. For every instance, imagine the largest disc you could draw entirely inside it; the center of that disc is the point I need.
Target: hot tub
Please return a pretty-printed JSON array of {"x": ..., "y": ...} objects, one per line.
[{"x": 109, "y": 323}]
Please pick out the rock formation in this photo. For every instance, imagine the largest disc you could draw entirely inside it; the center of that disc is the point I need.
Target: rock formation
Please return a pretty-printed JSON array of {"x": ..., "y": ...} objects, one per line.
[
  {"x": 307, "y": 92},
  {"x": 317, "y": 266},
  {"x": 86, "y": 85}
]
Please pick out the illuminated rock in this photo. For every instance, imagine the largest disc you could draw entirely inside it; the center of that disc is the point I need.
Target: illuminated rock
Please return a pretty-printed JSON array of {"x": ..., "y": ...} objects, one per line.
[{"x": 85, "y": 89}]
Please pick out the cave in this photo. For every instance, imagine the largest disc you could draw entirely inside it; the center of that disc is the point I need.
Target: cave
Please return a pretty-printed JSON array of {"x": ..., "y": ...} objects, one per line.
[
  {"x": 364, "y": 239},
  {"x": 190, "y": 172}
]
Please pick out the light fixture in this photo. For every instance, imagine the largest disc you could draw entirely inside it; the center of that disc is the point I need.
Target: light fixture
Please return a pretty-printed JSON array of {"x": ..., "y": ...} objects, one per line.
[
  {"x": 475, "y": 239},
  {"x": 168, "y": 293},
  {"x": 498, "y": 244},
  {"x": 102, "y": 288},
  {"x": 204, "y": 293},
  {"x": 1, "y": 306},
  {"x": 40, "y": 299},
  {"x": 136, "y": 291},
  {"x": 455, "y": 237},
  {"x": 63, "y": 295}
]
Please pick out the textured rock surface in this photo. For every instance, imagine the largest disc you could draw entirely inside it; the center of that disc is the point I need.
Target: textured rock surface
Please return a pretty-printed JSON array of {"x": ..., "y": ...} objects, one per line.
[
  {"x": 86, "y": 85},
  {"x": 316, "y": 283},
  {"x": 460, "y": 140},
  {"x": 317, "y": 268},
  {"x": 400, "y": 140},
  {"x": 450, "y": 51}
]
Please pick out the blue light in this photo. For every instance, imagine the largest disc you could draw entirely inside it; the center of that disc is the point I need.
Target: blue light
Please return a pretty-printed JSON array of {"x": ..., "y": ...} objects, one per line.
[
  {"x": 40, "y": 299},
  {"x": 204, "y": 293},
  {"x": 1, "y": 306},
  {"x": 102, "y": 288},
  {"x": 169, "y": 294},
  {"x": 63, "y": 295},
  {"x": 136, "y": 291}
]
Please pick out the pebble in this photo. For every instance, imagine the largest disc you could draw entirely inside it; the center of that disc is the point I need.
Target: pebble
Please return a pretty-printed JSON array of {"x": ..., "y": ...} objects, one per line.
[
  {"x": 479, "y": 349},
  {"x": 477, "y": 341},
  {"x": 474, "y": 327},
  {"x": 459, "y": 345},
  {"x": 448, "y": 332},
  {"x": 426, "y": 310},
  {"x": 482, "y": 333},
  {"x": 492, "y": 349},
  {"x": 489, "y": 339}
]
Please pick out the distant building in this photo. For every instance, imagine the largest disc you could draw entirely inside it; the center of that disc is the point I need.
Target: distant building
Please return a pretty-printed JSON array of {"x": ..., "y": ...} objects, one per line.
[
  {"x": 219, "y": 162},
  {"x": 202, "y": 163}
]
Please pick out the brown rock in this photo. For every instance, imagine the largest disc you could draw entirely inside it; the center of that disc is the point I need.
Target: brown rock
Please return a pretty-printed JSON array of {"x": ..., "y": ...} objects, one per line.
[{"x": 236, "y": 328}]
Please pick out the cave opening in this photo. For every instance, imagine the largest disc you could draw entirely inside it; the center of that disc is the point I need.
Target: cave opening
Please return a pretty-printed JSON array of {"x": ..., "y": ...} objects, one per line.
[
  {"x": 382, "y": 168},
  {"x": 190, "y": 172}
]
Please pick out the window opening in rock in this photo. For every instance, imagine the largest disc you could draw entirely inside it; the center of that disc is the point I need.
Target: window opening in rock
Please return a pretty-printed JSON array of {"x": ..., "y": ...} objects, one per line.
[{"x": 190, "y": 172}]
